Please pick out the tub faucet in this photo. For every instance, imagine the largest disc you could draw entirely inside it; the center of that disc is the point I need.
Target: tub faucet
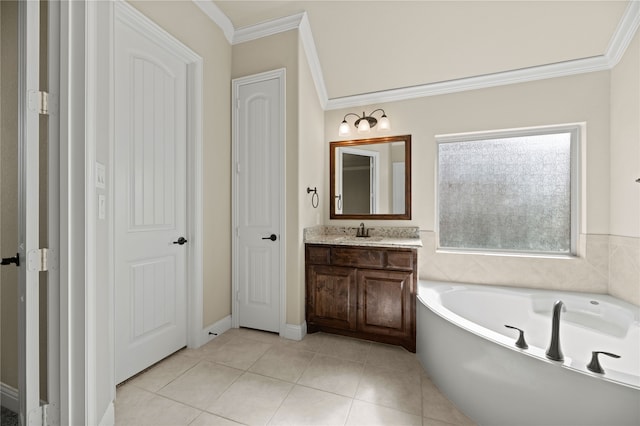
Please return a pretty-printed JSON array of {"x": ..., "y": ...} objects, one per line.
[{"x": 554, "y": 352}]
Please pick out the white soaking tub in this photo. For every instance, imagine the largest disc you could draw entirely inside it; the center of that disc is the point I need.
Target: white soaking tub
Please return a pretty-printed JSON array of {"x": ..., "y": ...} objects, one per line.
[{"x": 471, "y": 356}]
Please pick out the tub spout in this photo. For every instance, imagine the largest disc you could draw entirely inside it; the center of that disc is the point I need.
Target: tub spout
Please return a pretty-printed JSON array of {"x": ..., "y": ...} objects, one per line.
[{"x": 554, "y": 352}]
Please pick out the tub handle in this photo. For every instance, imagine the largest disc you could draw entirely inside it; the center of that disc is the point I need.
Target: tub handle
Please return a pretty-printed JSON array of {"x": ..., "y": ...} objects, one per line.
[
  {"x": 594, "y": 364},
  {"x": 521, "y": 343}
]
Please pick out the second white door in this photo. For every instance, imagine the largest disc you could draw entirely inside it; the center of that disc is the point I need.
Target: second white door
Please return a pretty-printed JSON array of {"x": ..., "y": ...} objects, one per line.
[
  {"x": 258, "y": 207},
  {"x": 150, "y": 201}
]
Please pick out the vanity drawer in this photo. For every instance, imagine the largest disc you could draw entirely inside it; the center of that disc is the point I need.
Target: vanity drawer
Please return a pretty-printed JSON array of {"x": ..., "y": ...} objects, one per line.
[
  {"x": 318, "y": 255},
  {"x": 362, "y": 258},
  {"x": 404, "y": 260}
]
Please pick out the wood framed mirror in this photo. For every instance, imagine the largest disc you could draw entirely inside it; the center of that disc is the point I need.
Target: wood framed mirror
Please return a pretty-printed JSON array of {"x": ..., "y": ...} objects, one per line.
[{"x": 370, "y": 178}]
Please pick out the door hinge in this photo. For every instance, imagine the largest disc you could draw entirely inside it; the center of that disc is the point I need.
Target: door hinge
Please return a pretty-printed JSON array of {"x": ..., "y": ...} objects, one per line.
[
  {"x": 43, "y": 259},
  {"x": 50, "y": 415},
  {"x": 45, "y": 415},
  {"x": 42, "y": 102}
]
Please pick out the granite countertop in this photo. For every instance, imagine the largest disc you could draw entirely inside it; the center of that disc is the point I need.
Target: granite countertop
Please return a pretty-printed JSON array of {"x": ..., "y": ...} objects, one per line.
[{"x": 406, "y": 236}]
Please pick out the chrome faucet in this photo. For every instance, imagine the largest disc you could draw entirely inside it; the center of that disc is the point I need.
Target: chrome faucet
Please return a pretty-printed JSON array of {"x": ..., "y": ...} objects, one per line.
[{"x": 554, "y": 352}]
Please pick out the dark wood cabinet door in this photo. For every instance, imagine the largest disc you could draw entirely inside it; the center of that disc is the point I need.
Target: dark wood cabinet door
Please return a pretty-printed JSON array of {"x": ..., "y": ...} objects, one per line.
[
  {"x": 332, "y": 296},
  {"x": 385, "y": 303}
]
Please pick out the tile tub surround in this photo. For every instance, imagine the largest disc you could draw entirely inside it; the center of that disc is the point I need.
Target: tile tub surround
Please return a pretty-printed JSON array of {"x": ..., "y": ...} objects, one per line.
[
  {"x": 606, "y": 265},
  {"x": 379, "y": 236},
  {"x": 624, "y": 268},
  {"x": 321, "y": 380}
]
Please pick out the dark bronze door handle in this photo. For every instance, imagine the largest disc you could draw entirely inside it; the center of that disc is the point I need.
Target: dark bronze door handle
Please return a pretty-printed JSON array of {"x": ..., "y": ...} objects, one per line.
[
  {"x": 181, "y": 241},
  {"x": 272, "y": 237},
  {"x": 10, "y": 260}
]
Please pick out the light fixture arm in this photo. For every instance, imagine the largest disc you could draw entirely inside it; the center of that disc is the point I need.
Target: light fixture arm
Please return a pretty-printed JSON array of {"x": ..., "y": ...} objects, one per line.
[
  {"x": 344, "y": 120},
  {"x": 376, "y": 110},
  {"x": 369, "y": 117}
]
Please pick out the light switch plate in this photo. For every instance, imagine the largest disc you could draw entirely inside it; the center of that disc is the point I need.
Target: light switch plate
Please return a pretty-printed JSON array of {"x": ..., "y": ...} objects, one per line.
[
  {"x": 102, "y": 206},
  {"x": 101, "y": 178}
]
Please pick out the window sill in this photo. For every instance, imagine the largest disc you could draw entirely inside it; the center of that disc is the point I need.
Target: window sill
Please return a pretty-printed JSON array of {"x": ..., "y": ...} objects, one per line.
[{"x": 509, "y": 254}]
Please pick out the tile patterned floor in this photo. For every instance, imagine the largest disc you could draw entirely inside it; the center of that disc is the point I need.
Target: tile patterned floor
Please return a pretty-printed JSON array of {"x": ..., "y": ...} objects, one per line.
[{"x": 255, "y": 378}]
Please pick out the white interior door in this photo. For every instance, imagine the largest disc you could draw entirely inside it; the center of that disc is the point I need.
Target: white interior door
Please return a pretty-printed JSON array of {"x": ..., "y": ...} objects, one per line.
[
  {"x": 258, "y": 207},
  {"x": 150, "y": 201}
]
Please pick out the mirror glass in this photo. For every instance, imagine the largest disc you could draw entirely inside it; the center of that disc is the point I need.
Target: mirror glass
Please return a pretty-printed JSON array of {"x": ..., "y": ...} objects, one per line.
[{"x": 371, "y": 178}]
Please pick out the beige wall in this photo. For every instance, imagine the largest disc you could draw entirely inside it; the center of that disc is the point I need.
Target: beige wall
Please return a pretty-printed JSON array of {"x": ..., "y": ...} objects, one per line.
[
  {"x": 580, "y": 98},
  {"x": 624, "y": 243},
  {"x": 312, "y": 147},
  {"x": 207, "y": 40},
  {"x": 625, "y": 143}
]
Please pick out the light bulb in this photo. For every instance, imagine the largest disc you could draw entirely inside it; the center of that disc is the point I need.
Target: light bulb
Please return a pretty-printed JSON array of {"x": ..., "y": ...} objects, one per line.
[
  {"x": 363, "y": 126},
  {"x": 384, "y": 123},
  {"x": 344, "y": 129}
]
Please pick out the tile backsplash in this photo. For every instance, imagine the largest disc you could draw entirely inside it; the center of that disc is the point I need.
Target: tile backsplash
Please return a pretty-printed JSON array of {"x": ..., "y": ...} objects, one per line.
[{"x": 606, "y": 264}]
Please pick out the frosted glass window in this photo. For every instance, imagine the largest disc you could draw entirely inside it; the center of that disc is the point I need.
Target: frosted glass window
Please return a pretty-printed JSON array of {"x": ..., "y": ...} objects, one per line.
[{"x": 506, "y": 193}]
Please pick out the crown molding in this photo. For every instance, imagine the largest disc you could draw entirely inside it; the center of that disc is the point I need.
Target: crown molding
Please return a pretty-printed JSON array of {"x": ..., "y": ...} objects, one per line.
[
  {"x": 268, "y": 28},
  {"x": 561, "y": 69},
  {"x": 309, "y": 45},
  {"x": 619, "y": 42},
  {"x": 218, "y": 17},
  {"x": 624, "y": 33}
]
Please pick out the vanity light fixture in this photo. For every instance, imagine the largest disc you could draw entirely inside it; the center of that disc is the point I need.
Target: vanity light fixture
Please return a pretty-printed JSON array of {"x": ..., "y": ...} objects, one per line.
[{"x": 365, "y": 123}]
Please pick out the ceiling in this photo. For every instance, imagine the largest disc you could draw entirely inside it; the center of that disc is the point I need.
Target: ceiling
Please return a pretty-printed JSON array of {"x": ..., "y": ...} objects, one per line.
[{"x": 371, "y": 46}]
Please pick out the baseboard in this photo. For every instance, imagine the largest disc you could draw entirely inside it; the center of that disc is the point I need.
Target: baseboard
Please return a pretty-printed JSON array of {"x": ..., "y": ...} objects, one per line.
[
  {"x": 9, "y": 397},
  {"x": 294, "y": 332},
  {"x": 216, "y": 328},
  {"x": 109, "y": 417}
]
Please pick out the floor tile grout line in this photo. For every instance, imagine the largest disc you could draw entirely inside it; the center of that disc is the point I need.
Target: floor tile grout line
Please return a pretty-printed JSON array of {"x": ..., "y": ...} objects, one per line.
[
  {"x": 179, "y": 375},
  {"x": 293, "y": 385},
  {"x": 348, "y": 412},
  {"x": 170, "y": 399},
  {"x": 188, "y": 404},
  {"x": 314, "y": 348}
]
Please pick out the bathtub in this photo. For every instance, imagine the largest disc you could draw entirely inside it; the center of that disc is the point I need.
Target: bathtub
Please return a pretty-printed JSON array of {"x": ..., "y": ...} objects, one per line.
[{"x": 472, "y": 358}]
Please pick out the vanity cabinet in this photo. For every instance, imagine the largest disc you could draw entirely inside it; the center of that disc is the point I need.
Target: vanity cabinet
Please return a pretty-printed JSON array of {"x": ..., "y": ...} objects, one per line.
[{"x": 363, "y": 292}]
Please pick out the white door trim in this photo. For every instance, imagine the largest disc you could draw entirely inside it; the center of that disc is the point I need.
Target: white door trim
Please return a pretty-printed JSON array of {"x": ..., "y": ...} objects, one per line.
[
  {"x": 278, "y": 74},
  {"x": 72, "y": 214},
  {"x": 130, "y": 16},
  {"x": 53, "y": 218},
  {"x": 28, "y": 213}
]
